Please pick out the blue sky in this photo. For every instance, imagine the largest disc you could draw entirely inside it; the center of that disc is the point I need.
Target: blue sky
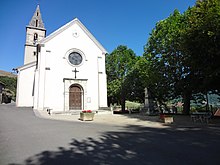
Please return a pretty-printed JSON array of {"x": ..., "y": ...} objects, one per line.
[{"x": 112, "y": 22}]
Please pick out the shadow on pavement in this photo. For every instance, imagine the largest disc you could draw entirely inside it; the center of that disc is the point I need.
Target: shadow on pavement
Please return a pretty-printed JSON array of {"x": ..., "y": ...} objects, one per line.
[{"x": 138, "y": 145}]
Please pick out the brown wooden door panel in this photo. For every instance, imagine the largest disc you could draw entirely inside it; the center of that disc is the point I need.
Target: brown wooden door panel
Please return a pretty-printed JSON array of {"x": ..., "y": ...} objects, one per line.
[{"x": 75, "y": 97}]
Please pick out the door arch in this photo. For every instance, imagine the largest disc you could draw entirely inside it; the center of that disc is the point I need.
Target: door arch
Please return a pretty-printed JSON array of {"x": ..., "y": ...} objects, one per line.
[{"x": 75, "y": 97}]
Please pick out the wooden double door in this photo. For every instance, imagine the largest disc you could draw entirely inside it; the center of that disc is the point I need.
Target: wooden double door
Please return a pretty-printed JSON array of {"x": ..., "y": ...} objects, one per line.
[{"x": 75, "y": 97}]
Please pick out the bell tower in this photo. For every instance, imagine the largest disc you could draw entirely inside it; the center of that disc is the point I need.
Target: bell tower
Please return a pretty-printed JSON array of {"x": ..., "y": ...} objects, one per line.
[{"x": 35, "y": 32}]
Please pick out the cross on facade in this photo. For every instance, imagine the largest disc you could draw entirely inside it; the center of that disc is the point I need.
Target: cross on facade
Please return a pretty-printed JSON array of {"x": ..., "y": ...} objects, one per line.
[{"x": 75, "y": 72}]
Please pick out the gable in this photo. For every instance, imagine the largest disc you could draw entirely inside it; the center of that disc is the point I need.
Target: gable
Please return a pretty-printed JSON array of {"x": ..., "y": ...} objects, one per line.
[{"x": 67, "y": 26}]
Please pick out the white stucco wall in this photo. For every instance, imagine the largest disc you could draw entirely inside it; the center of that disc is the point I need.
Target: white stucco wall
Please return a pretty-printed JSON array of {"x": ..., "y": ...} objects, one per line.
[
  {"x": 102, "y": 81},
  {"x": 54, "y": 68},
  {"x": 25, "y": 84}
]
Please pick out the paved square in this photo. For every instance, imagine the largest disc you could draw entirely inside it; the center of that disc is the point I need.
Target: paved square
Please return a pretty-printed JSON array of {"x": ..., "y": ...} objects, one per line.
[{"x": 27, "y": 139}]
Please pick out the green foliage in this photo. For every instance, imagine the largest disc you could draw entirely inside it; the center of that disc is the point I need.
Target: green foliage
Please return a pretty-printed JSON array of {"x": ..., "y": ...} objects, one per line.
[
  {"x": 129, "y": 105},
  {"x": 132, "y": 105},
  {"x": 202, "y": 44},
  {"x": 164, "y": 54},
  {"x": 118, "y": 65},
  {"x": 10, "y": 86},
  {"x": 181, "y": 59},
  {"x": 183, "y": 52},
  {"x": 137, "y": 79}
]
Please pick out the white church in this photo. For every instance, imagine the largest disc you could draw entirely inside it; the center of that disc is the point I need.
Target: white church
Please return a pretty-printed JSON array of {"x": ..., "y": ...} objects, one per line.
[{"x": 64, "y": 71}]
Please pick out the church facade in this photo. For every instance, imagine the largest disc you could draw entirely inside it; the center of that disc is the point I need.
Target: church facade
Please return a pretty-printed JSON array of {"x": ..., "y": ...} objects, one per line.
[{"x": 64, "y": 71}]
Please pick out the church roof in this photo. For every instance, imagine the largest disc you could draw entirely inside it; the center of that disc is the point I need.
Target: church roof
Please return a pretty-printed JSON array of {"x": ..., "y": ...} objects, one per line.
[
  {"x": 36, "y": 21},
  {"x": 26, "y": 66},
  {"x": 66, "y": 26}
]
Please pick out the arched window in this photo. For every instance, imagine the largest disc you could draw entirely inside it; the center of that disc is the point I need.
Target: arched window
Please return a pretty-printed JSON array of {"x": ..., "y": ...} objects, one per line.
[{"x": 35, "y": 37}]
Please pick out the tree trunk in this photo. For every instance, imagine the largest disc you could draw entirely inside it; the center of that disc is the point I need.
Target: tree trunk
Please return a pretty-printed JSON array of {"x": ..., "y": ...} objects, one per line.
[
  {"x": 186, "y": 103},
  {"x": 207, "y": 102},
  {"x": 122, "y": 103}
]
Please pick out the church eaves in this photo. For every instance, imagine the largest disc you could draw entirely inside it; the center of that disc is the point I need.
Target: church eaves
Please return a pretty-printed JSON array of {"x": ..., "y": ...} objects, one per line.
[
  {"x": 74, "y": 21},
  {"x": 36, "y": 21}
]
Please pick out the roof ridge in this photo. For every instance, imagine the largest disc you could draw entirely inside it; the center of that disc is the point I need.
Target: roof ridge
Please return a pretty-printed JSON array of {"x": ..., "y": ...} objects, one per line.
[{"x": 67, "y": 25}]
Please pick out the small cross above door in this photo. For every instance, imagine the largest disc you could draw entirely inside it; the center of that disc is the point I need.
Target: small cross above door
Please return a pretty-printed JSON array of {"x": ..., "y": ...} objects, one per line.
[{"x": 75, "y": 72}]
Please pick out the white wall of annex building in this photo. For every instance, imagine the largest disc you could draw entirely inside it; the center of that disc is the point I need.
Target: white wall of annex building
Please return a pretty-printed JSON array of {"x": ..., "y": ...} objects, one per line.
[{"x": 24, "y": 96}]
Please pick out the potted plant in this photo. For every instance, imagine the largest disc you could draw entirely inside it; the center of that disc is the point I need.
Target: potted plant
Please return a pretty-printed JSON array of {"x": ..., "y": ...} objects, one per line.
[
  {"x": 87, "y": 115},
  {"x": 168, "y": 119}
]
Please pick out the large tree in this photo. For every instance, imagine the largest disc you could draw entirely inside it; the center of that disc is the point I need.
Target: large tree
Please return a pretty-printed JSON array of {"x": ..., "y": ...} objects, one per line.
[
  {"x": 163, "y": 51},
  {"x": 201, "y": 43},
  {"x": 184, "y": 51},
  {"x": 118, "y": 65},
  {"x": 138, "y": 79}
]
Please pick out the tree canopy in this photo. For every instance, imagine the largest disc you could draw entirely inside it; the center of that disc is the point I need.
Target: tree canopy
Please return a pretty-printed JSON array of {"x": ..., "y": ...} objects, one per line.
[
  {"x": 118, "y": 65},
  {"x": 181, "y": 59},
  {"x": 183, "y": 52},
  {"x": 10, "y": 86},
  {"x": 202, "y": 44}
]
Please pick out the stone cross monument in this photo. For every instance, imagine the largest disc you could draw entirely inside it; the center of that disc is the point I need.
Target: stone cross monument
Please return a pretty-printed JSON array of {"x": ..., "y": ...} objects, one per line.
[{"x": 148, "y": 103}]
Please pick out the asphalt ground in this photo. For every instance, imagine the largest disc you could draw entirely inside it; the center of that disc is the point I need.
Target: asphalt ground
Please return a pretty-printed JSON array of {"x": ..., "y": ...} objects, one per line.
[{"x": 122, "y": 139}]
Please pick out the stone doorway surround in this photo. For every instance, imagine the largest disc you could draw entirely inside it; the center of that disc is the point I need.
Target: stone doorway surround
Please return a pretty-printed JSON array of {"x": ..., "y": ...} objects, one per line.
[{"x": 69, "y": 82}]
